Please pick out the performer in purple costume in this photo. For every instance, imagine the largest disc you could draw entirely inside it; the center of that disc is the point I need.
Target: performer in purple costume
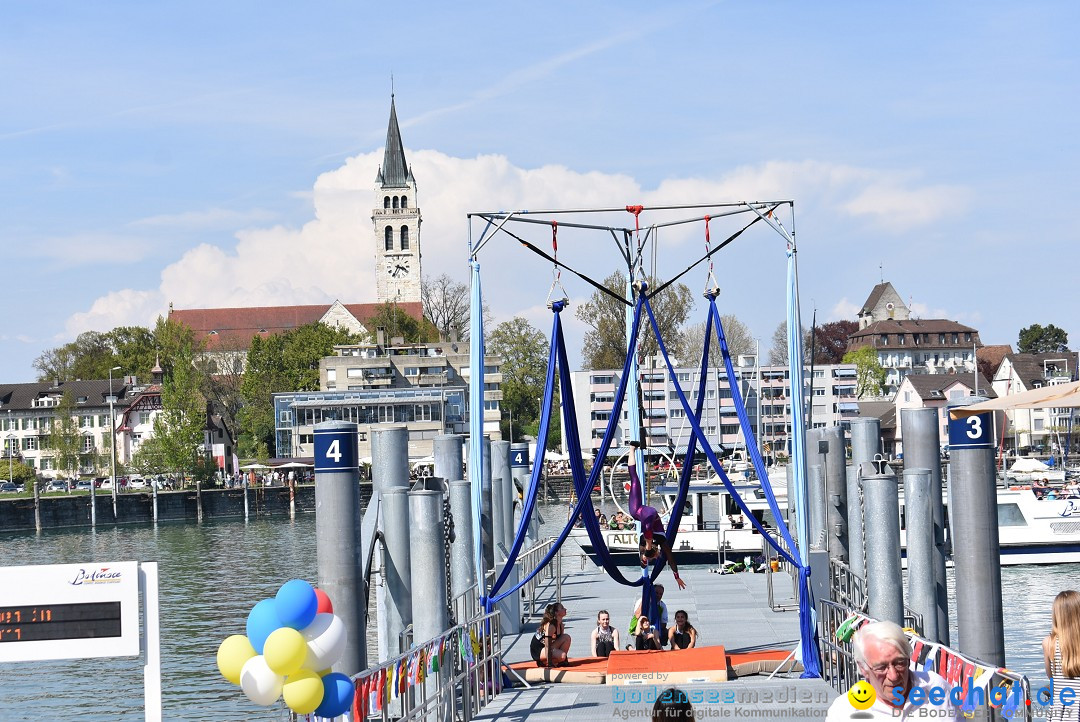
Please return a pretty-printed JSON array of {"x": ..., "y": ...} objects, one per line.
[{"x": 653, "y": 538}]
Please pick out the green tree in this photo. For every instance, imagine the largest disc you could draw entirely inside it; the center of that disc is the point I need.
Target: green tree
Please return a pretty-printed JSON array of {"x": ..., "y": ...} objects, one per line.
[
  {"x": 869, "y": 373},
  {"x": 265, "y": 373},
  {"x": 1042, "y": 339},
  {"x": 395, "y": 322},
  {"x": 181, "y": 424},
  {"x": 64, "y": 439},
  {"x": 303, "y": 347},
  {"x": 605, "y": 342},
  {"x": 525, "y": 351},
  {"x": 150, "y": 457}
]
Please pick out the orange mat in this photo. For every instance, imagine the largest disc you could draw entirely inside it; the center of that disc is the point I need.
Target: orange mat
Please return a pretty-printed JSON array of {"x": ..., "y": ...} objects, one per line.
[{"x": 703, "y": 664}]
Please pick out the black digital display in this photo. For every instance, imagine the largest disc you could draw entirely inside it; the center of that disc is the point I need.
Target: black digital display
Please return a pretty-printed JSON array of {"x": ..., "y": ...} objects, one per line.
[{"x": 40, "y": 622}]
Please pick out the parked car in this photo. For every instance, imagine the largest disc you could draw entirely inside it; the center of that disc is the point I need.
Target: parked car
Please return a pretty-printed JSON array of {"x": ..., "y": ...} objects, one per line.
[
  {"x": 137, "y": 483},
  {"x": 57, "y": 485},
  {"x": 8, "y": 488},
  {"x": 20, "y": 487},
  {"x": 83, "y": 485}
]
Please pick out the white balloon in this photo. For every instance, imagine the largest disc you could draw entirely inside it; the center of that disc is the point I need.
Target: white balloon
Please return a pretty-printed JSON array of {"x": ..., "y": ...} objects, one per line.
[
  {"x": 260, "y": 683},
  {"x": 326, "y": 638}
]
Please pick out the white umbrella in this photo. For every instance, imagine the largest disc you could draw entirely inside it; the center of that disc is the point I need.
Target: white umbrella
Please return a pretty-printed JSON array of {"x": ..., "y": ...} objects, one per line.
[
  {"x": 293, "y": 465},
  {"x": 254, "y": 467}
]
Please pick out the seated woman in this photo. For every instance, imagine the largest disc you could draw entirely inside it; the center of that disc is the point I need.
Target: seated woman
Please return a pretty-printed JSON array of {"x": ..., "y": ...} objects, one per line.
[
  {"x": 682, "y": 635},
  {"x": 605, "y": 638},
  {"x": 652, "y": 540},
  {"x": 647, "y": 637},
  {"x": 550, "y": 646}
]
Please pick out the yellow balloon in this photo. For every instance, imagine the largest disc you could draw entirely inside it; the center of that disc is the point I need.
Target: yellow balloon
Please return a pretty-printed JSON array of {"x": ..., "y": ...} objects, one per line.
[
  {"x": 303, "y": 691},
  {"x": 285, "y": 650},
  {"x": 231, "y": 656}
]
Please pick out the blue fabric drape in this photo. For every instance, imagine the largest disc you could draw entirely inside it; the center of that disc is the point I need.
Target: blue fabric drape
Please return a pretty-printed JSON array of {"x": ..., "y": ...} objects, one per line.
[{"x": 476, "y": 418}]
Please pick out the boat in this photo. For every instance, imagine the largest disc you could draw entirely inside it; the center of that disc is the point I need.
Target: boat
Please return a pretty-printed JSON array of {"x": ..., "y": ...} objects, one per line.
[
  {"x": 1031, "y": 530},
  {"x": 1026, "y": 470}
]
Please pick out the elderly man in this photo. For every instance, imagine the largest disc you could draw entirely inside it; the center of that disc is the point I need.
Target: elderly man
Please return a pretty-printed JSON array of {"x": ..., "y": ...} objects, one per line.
[{"x": 883, "y": 654}]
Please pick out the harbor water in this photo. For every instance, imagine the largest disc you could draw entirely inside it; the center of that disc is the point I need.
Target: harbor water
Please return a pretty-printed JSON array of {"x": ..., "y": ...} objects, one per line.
[{"x": 211, "y": 574}]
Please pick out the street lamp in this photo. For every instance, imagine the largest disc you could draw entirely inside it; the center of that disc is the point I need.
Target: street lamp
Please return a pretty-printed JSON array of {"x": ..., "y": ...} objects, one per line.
[{"x": 112, "y": 438}]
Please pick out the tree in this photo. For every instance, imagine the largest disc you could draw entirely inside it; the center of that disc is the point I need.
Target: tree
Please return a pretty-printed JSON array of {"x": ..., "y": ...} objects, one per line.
[
  {"x": 830, "y": 341},
  {"x": 134, "y": 349},
  {"x": 446, "y": 306},
  {"x": 150, "y": 457},
  {"x": 181, "y": 425},
  {"x": 740, "y": 341},
  {"x": 303, "y": 347},
  {"x": 778, "y": 352},
  {"x": 525, "y": 352},
  {"x": 265, "y": 374},
  {"x": 1039, "y": 339},
  {"x": 64, "y": 439},
  {"x": 869, "y": 373},
  {"x": 391, "y": 318},
  {"x": 605, "y": 343}
]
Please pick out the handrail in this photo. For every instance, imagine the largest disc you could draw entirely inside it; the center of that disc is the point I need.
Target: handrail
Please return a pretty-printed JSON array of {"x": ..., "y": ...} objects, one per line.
[
  {"x": 468, "y": 677},
  {"x": 528, "y": 561}
]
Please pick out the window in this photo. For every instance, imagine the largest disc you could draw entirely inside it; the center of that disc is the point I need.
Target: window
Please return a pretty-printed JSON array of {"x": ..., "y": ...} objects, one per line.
[
  {"x": 900, "y": 339},
  {"x": 491, "y": 406},
  {"x": 907, "y": 396},
  {"x": 86, "y": 422},
  {"x": 884, "y": 339},
  {"x": 331, "y": 374},
  {"x": 1038, "y": 424},
  {"x": 678, "y": 414},
  {"x": 388, "y": 239},
  {"x": 354, "y": 373},
  {"x": 415, "y": 371},
  {"x": 30, "y": 443},
  {"x": 941, "y": 339},
  {"x": 967, "y": 337},
  {"x": 602, "y": 380},
  {"x": 956, "y": 338},
  {"x": 285, "y": 416},
  {"x": 88, "y": 444},
  {"x": 601, "y": 415},
  {"x": 386, "y": 202},
  {"x": 683, "y": 376},
  {"x": 404, "y": 238},
  {"x": 1010, "y": 515},
  {"x": 103, "y": 420},
  {"x": 404, "y": 202},
  {"x": 395, "y": 202}
]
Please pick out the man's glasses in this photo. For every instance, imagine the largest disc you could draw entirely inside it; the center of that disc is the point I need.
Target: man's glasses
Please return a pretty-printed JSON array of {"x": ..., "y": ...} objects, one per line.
[{"x": 900, "y": 665}]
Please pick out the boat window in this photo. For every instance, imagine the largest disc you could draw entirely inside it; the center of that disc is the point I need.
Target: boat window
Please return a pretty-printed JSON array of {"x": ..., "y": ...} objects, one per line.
[{"x": 1010, "y": 515}]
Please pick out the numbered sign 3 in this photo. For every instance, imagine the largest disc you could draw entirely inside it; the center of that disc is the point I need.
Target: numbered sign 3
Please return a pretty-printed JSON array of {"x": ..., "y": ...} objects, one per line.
[{"x": 971, "y": 432}]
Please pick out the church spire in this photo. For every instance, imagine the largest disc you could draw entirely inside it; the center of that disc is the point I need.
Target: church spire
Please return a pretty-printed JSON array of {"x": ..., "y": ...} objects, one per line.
[{"x": 395, "y": 171}]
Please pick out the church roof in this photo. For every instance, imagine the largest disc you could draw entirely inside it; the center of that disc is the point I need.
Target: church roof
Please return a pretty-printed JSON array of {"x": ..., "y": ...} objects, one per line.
[
  {"x": 395, "y": 171},
  {"x": 874, "y": 297},
  {"x": 231, "y": 329}
]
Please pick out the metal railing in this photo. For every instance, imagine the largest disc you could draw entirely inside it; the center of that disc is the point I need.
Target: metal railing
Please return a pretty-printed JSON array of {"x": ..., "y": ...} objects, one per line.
[
  {"x": 840, "y": 670},
  {"x": 849, "y": 590},
  {"x": 533, "y": 608},
  {"x": 469, "y": 676}
]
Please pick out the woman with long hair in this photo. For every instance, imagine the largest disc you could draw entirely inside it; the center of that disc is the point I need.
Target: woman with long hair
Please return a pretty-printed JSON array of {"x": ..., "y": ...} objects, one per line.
[
  {"x": 682, "y": 635},
  {"x": 1061, "y": 655},
  {"x": 550, "y": 646},
  {"x": 605, "y": 638}
]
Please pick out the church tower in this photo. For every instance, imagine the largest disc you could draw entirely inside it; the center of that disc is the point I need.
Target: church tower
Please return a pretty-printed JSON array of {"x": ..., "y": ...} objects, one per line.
[{"x": 397, "y": 223}]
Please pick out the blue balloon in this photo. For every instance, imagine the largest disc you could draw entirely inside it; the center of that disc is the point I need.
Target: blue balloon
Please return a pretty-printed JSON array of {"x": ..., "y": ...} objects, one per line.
[
  {"x": 337, "y": 698},
  {"x": 297, "y": 604},
  {"x": 261, "y": 622}
]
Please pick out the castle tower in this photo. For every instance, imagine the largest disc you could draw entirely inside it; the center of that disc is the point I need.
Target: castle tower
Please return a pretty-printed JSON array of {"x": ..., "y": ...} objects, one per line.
[{"x": 396, "y": 218}]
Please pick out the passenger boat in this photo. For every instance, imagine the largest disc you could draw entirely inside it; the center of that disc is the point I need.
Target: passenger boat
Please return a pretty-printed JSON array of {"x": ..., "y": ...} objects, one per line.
[{"x": 1031, "y": 530}]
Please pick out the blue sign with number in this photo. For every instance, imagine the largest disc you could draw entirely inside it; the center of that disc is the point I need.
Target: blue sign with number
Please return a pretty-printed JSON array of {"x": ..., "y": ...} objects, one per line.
[
  {"x": 971, "y": 432},
  {"x": 519, "y": 457},
  {"x": 335, "y": 450}
]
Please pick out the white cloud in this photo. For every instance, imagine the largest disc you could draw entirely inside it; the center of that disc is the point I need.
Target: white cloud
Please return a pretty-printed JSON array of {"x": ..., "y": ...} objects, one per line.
[
  {"x": 210, "y": 218},
  {"x": 332, "y": 255},
  {"x": 844, "y": 310}
]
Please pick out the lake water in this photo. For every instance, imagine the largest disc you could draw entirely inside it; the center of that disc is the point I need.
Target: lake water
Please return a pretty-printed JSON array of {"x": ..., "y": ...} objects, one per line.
[{"x": 211, "y": 575}]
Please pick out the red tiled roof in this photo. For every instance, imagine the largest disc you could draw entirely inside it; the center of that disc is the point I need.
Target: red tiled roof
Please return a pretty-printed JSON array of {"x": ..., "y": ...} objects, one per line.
[{"x": 233, "y": 328}]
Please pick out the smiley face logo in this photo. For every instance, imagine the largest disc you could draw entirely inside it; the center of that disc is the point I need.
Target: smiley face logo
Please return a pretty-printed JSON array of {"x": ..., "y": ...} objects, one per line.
[{"x": 861, "y": 695}]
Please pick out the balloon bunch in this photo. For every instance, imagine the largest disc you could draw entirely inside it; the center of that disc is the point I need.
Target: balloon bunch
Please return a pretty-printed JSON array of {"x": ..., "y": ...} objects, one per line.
[{"x": 292, "y": 641}]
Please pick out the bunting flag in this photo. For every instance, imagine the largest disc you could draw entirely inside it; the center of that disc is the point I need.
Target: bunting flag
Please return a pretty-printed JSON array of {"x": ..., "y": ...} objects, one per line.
[
  {"x": 360, "y": 698},
  {"x": 384, "y": 690},
  {"x": 402, "y": 677},
  {"x": 421, "y": 666}
]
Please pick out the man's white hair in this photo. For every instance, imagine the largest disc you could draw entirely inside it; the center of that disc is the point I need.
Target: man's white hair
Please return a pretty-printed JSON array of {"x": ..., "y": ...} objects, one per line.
[{"x": 888, "y": 632}]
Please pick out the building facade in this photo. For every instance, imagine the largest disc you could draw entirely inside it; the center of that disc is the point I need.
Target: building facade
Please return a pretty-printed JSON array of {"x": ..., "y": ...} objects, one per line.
[
  {"x": 1036, "y": 430},
  {"x": 424, "y": 386}
]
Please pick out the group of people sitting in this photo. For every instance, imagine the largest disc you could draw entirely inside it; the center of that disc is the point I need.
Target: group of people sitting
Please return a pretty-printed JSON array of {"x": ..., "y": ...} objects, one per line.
[
  {"x": 550, "y": 646},
  {"x": 1042, "y": 490}
]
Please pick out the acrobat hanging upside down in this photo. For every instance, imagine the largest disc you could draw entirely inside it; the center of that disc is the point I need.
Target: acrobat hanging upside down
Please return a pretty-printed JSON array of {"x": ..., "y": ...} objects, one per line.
[{"x": 653, "y": 538}]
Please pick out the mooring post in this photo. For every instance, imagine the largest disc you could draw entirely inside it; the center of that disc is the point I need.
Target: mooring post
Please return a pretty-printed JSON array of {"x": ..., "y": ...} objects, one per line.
[
  {"x": 975, "y": 541},
  {"x": 448, "y": 456},
  {"x": 462, "y": 571},
  {"x": 836, "y": 493},
  {"x": 395, "y": 614},
  {"x": 920, "y": 431},
  {"x": 884, "y": 587},
  {"x": 339, "y": 552},
  {"x": 919, "y": 514},
  {"x": 865, "y": 443},
  {"x": 521, "y": 475}
]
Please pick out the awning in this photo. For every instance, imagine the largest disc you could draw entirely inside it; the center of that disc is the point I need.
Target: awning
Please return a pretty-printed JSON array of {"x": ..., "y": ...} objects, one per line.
[{"x": 1047, "y": 397}]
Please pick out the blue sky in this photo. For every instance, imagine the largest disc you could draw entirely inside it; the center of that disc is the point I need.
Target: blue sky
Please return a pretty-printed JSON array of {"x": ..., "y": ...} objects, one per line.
[{"x": 212, "y": 154}]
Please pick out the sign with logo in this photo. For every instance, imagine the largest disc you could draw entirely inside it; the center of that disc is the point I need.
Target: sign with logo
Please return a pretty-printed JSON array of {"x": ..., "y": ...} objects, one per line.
[
  {"x": 69, "y": 611},
  {"x": 519, "y": 455},
  {"x": 972, "y": 432}
]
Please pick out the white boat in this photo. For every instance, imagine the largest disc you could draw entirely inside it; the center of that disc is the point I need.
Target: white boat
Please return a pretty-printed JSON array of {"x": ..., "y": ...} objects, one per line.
[
  {"x": 1030, "y": 530},
  {"x": 1025, "y": 470}
]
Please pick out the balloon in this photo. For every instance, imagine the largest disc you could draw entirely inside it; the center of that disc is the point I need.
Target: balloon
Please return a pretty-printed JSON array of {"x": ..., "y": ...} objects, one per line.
[
  {"x": 303, "y": 691},
  {"x": 259, "y": 682},
  {"x": 325, "y": 605},
  {"x": 297, "y": 604},
  {"x": 231, "y": 656},
  {"x": 261, "y": 621},
  {"x": 337, "y": 695},
  {"x": 326, "y": 638},
  {"x": 285, "y": 651}
]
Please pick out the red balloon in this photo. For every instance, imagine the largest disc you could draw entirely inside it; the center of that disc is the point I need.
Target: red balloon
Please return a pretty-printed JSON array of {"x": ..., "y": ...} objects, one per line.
[{"x": 325, "y": 607}]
